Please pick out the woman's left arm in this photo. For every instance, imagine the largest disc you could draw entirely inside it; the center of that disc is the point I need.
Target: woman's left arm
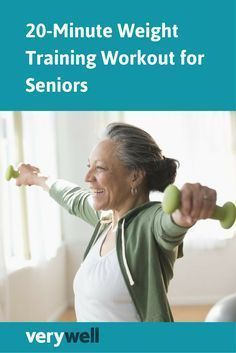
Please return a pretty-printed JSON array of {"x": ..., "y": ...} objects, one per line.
[{"x": 197, "y": 202}]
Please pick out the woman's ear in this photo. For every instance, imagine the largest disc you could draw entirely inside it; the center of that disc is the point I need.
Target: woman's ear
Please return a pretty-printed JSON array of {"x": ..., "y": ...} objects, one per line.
[{"x": 138, "y": 177}]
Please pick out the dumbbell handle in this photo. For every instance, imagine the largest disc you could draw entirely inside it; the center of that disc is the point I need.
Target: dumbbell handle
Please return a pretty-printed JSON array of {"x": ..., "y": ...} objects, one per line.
[
  {"x": 225, "y": 214},
  {"x": 11, "y": 173}
]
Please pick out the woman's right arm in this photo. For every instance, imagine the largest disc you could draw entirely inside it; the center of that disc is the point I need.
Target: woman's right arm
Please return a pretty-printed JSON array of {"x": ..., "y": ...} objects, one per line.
[{"x": 74, "y": 199}]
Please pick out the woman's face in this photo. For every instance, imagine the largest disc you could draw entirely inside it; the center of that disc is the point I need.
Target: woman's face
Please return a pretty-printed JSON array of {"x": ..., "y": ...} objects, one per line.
[{"x": 109, "y": 181}]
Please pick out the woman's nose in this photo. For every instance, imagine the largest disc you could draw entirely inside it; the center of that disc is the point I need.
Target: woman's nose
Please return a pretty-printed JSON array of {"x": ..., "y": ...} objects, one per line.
[{"x": 89, "y": 176}]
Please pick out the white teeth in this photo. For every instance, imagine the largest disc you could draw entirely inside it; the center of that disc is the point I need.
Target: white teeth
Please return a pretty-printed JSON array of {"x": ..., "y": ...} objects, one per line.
[{"x": 97, "y": 191}]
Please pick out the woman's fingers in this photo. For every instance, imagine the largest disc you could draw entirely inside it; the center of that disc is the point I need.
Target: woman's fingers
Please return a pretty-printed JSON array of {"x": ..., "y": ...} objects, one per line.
[
  {"x": 28, "y": 168},
  {"x": 186, "y": 202},
  {"x": 197, "y": 202},
  {"x": 28, "y": 174},
  {"x": 208, "y": 203}
]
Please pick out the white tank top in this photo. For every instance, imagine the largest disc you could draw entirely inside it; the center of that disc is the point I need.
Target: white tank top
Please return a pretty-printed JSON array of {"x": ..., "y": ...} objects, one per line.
[{"x": 100, "y": 290}]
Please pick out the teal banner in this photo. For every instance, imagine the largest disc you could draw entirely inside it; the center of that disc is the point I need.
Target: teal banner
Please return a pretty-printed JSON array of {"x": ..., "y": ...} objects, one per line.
[
  {"x": 107, "y": 337},
  {"x": 124, "y": 55}
]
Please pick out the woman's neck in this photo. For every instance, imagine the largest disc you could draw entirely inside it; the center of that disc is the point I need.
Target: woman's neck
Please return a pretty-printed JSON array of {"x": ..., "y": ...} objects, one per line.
[{"x": 133, "y": 203}]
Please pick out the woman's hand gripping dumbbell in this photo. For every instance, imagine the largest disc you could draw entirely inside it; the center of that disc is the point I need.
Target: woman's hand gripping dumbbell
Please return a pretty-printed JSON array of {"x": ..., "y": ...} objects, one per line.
[
  {"x": 26, "y": 174},
  {"x": 174, "y": 199}
]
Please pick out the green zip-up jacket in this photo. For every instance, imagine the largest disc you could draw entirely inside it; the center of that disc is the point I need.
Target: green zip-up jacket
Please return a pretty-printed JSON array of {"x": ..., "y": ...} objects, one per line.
[{"x": 148, "y": 243}]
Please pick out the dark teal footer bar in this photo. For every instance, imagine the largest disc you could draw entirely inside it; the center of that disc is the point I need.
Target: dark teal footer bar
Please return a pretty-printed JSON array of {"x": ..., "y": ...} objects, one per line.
[{"x": 118, "y": 337}]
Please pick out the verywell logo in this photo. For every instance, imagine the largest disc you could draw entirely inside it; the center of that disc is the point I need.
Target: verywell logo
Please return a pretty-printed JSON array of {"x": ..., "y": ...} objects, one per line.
[{"x": 56, "y": 338}]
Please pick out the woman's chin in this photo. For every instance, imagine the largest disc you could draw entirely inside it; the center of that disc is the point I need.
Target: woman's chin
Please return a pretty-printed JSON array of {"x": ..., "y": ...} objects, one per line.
[{"x": 99, "y": 207}]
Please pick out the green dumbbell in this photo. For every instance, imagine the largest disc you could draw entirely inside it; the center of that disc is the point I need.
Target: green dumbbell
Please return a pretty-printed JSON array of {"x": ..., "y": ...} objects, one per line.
[
  {"x": 225, "y": 214},
  {"x": 11, "y": 173}
]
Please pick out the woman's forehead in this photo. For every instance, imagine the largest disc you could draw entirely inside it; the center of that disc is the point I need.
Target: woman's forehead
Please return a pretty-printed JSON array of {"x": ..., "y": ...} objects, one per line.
[{"x": 104, "y": 149}]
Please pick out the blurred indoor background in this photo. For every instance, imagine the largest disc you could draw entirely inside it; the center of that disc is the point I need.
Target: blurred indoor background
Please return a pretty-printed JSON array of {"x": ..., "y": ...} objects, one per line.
[{"x": 41, "y": 246}]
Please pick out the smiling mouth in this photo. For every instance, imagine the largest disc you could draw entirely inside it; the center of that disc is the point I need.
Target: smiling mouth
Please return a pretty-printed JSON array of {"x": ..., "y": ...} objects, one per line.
[{"x": 96, "y": 192}]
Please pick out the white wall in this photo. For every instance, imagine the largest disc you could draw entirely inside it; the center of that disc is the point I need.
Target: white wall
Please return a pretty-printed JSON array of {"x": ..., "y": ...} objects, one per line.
[
  {"x": 204, "y": 277},
  {"x": 38, "y": 293},
  {"x": 201, "y": 277}
]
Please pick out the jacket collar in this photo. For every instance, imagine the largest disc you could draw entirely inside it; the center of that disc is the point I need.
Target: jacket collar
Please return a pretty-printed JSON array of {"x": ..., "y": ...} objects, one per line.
[{"x": 106, "y": 216}]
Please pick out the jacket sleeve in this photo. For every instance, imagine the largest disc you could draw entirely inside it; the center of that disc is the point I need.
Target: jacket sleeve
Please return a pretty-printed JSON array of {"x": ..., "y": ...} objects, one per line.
[
  {"x": 168, "y": 235},
  {"x": 75, "y": 200}
]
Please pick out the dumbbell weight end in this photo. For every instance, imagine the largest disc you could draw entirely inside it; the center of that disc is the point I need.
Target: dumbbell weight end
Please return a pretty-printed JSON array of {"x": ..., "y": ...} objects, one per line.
[
  {"x": 225, "y": 214},
  {"x": 11, "y": 173}
]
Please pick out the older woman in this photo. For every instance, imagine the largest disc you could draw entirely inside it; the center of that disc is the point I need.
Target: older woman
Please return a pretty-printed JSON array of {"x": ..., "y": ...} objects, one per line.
[{"x": 129, "y": 260}]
